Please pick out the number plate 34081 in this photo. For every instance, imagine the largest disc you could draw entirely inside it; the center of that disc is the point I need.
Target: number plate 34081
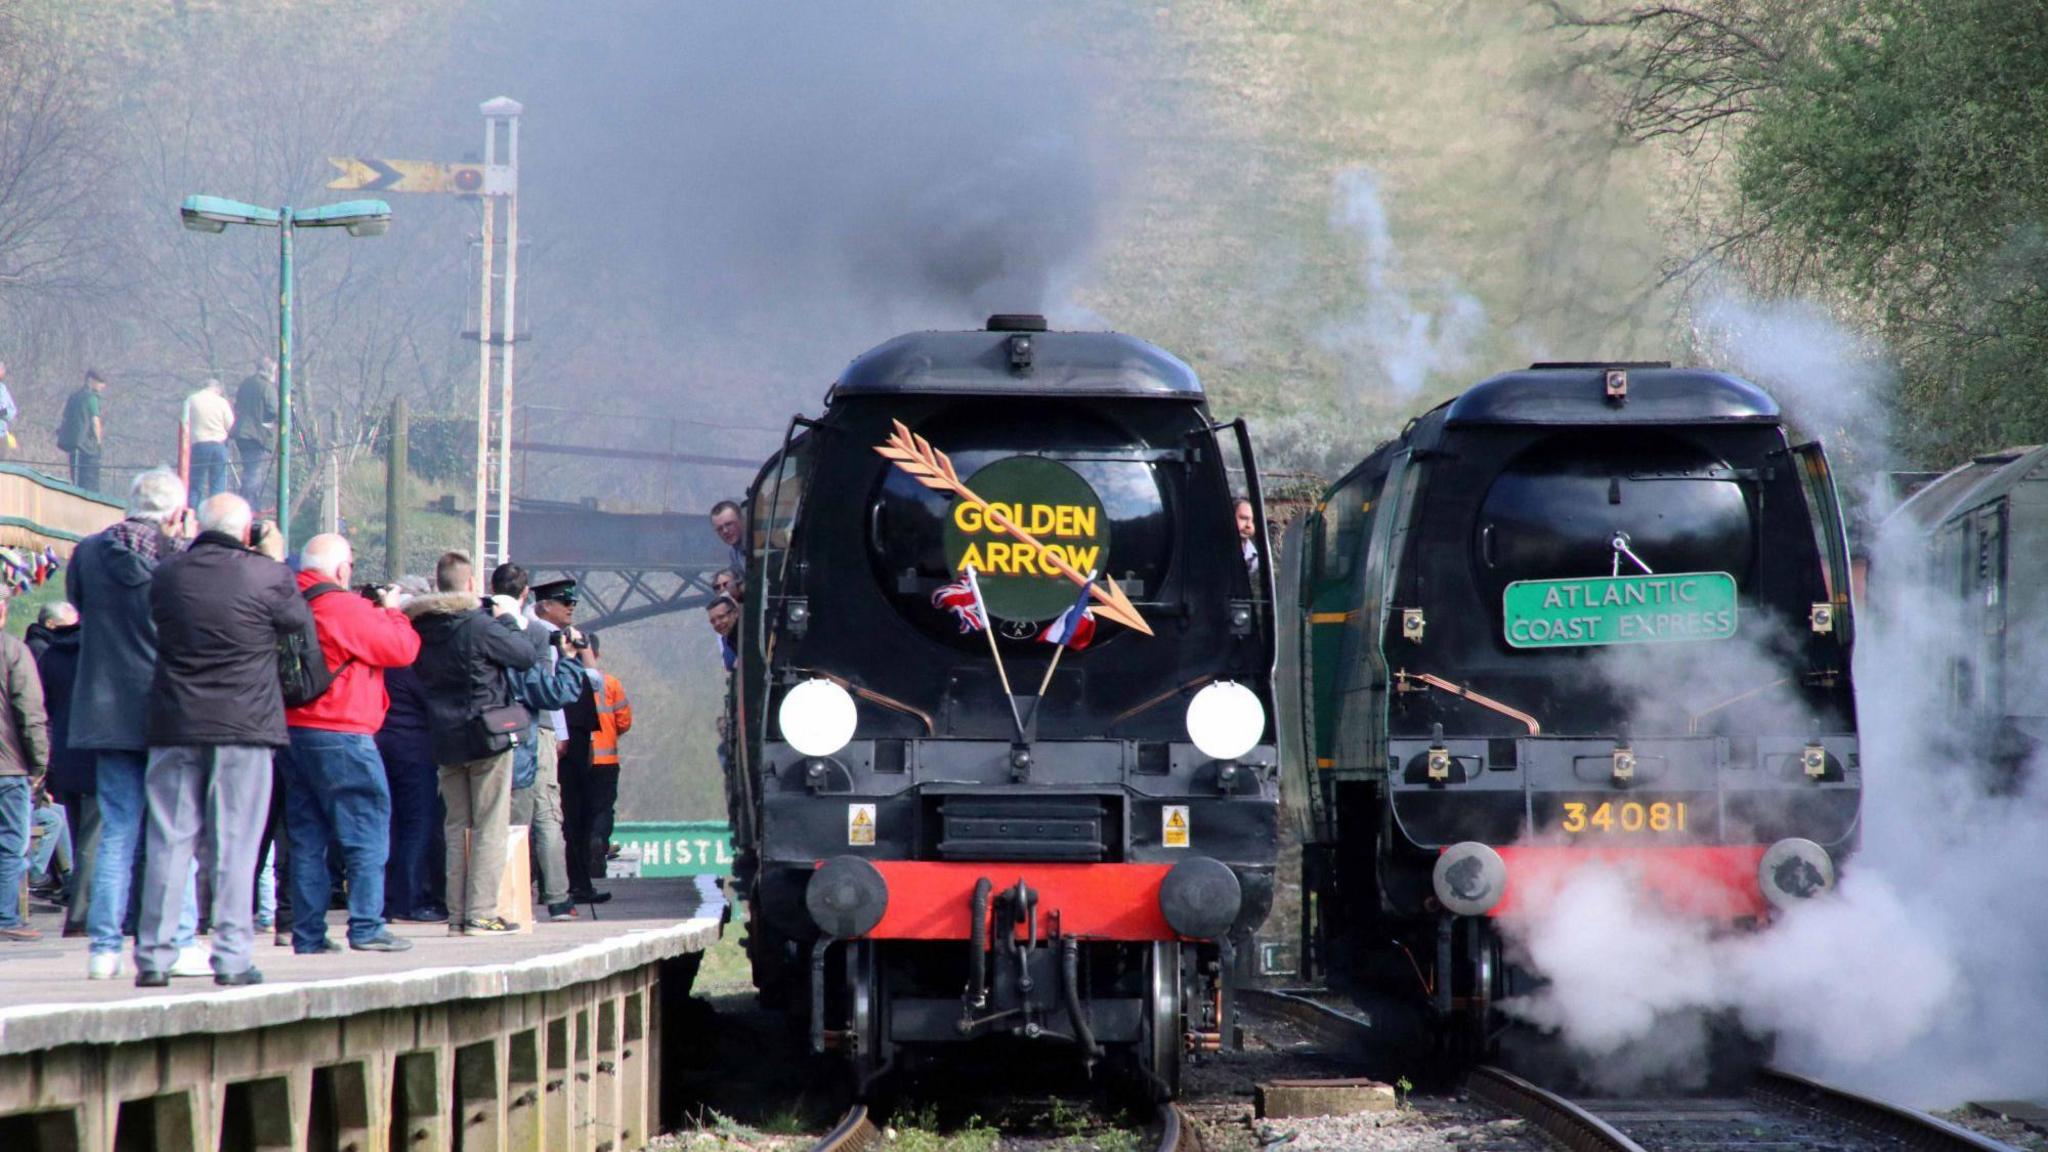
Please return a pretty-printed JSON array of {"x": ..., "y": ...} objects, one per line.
[{"x": 1597, "y": 817}]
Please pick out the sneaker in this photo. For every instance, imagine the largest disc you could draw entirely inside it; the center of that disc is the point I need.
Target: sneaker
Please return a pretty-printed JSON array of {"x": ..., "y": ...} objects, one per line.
[
  {"x": 326, "y": 944},
  {"x": 103, "y": 966},
  {"x": 383, "y": 941},
  {"x": 283, "y": 939},
  {"x": 237, "y": 979},
  {"x": 495, "y": 925},
  {"x": 24, "y": 933},
  {"x": 591, "y": 897},
  {"x": 194, "y": 960},
  {"x": 563, "y": 911},
  {"x": 421, "y": 916},
  {"x": 147, "y": 979}
]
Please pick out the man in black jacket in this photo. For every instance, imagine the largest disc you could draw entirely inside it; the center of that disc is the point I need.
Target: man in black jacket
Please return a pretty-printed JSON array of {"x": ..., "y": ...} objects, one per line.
[
  {"x": 71, "y": 769},
  {"x": 467, "y": 647},
  {"x": 216, "y": 715},
  {"x": 256, "y": 427}
]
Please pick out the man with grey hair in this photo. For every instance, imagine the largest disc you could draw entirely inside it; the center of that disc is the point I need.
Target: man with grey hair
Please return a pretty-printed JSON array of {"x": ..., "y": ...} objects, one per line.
[
  {"x": 216, "y": 713},
  {"x": 108, "y": 580},
  {"x": 336, "y": 796}
]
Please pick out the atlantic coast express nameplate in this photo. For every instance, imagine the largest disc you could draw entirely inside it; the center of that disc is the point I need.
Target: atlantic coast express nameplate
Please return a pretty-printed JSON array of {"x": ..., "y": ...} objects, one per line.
[
  {"x": 1056, "y": 507},
  {"x": 1619, "y": 610}
]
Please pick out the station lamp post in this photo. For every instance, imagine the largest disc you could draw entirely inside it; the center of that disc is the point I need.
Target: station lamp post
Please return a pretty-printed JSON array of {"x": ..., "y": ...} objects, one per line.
[{"x": 359, "y": 217}]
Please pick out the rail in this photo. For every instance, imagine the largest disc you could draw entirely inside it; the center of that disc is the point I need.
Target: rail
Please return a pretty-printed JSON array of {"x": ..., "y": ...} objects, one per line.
[
  {"x": 854, "y": 1133},
  {"x": 1913, "y": 1129},
  {"x": 857, "y": 1132},
  {"x": 1557, "y": 1117}
]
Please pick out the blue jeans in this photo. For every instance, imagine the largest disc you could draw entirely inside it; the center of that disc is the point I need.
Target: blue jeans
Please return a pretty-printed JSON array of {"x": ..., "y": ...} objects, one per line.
[
  {"x": 55, "y": 849},
  {"x": 209, "y": 469},
  {"x": 122, "y": 806},
  {"x": 416, "y": 818},
  {"x": 14, "y": 826},
  {"x": 335, "y": 797}
]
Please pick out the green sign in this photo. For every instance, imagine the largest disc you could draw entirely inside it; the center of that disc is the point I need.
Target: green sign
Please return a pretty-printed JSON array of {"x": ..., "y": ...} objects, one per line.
[
  {"x": 1047, "y": 501},
  {"x": 675, "y": 847},
  {"x": 1620, "y": 610}
]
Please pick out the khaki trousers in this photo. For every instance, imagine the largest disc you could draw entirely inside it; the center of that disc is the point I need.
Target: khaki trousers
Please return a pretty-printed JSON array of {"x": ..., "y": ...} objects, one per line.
[
  {"x": 540, "y": 809},
  {"x": 478, "y": 797}
]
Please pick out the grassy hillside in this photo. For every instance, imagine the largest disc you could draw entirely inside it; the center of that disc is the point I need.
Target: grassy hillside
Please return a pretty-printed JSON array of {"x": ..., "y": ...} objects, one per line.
[{"x": 1513, "y": 229}]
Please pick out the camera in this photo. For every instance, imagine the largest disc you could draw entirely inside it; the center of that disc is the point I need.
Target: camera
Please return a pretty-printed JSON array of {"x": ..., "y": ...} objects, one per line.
[{"x": 374, "y": 593}]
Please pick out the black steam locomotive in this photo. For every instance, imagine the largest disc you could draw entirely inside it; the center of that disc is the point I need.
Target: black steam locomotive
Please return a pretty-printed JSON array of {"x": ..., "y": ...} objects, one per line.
[
  {"x": 956, "y": 821},
  {"x": 1581, "y": 612}
]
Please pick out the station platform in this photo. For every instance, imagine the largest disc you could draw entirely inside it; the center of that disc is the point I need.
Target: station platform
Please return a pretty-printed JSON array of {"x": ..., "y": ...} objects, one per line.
[{"x": 548, "y": 1039}]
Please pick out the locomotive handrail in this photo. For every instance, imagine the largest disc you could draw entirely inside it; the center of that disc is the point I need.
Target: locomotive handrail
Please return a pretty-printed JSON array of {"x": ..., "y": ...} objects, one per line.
[
  {"x": 930, "y": 729},
  {"x": 1693, "y": 719},
  {"x": 1162, "y": 698},
  {"x": 1402, "y": 677}
]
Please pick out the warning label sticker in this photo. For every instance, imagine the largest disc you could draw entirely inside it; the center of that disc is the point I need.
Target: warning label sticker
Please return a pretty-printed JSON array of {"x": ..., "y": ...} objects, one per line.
[
  {"x": 860, "y": 823},
  {"x": 1173, "y": 831}
]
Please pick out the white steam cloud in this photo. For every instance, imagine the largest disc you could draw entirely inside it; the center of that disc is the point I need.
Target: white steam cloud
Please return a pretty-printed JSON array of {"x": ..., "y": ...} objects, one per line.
[
  {"x": 1401, "y": 339},
  {"x": 1921, "y": 977},
  {"x": 1832, "y": 382}
]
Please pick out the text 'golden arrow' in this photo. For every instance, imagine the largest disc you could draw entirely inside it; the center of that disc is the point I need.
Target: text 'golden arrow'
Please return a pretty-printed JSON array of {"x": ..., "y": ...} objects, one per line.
[{"x": 930, "y": 467}]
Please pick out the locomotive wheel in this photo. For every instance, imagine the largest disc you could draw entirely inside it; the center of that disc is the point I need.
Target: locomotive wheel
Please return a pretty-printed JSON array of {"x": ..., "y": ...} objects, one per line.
[
  {"x": 1163, "y": 1046},
  {"x": 867, "y": 1010},
  {"x": 1475, "y": 1033}
]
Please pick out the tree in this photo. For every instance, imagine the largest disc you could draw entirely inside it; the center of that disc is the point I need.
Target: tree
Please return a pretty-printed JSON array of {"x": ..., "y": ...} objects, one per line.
[
  {"x": 1885, "y": 156},
  {"x": 53, "y": 165},
  {"x": 1911, "y": 146}
]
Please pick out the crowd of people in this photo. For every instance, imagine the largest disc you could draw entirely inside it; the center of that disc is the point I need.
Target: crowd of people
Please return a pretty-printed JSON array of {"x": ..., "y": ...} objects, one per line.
[{"x": 226, "y": 744}]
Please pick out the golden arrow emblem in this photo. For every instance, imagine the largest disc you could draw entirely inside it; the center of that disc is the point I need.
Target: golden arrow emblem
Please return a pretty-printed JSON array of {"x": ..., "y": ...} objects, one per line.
[{"x": 930, "y": 467}]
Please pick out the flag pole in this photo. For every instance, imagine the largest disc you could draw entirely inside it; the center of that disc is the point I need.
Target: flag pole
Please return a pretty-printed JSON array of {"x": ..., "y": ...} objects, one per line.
[
  {"x": 1047, "y": 682},
  {"x": 1039, "y": 700},
  {"x": 988, "y": 629}
]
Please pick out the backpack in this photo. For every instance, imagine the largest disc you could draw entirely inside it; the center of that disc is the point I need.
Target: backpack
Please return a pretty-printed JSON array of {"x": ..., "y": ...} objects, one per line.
[
  {"x": 71, "y": 426},
  {"x": 302, "y": 670}
]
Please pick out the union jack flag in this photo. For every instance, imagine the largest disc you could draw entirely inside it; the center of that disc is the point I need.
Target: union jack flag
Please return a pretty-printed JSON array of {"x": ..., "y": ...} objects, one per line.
[{"x": 959, "y": 598}]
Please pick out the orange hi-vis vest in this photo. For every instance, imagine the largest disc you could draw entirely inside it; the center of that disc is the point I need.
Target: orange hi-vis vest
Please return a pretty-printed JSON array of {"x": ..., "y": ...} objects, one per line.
[{"x": 614, "y": 719}]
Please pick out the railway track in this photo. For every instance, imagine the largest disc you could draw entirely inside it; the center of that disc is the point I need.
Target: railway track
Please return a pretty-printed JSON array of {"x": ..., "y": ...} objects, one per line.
[
  {"x": 1780, "y": 1111},
  {"x": 857, "y": 1132}
]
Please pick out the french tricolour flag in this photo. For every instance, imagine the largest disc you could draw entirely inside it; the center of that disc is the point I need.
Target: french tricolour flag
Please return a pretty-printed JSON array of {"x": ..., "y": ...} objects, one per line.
[{"x": 1076, "y": 626}]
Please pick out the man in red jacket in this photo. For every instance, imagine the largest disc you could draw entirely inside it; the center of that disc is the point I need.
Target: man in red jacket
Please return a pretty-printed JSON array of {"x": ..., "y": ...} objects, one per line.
[{"x": 335, "y": 790}]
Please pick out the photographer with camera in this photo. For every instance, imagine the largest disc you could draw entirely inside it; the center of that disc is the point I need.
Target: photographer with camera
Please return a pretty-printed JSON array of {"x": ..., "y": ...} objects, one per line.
[
  {"x": 336, "y": 795},
  {"x": 470, "y": 648}
]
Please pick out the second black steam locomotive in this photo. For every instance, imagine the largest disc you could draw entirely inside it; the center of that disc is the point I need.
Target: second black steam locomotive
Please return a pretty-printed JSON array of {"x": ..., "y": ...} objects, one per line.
[
  {"x": 1579, "y": 613},
  {"x": 957, "y": 821}
]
